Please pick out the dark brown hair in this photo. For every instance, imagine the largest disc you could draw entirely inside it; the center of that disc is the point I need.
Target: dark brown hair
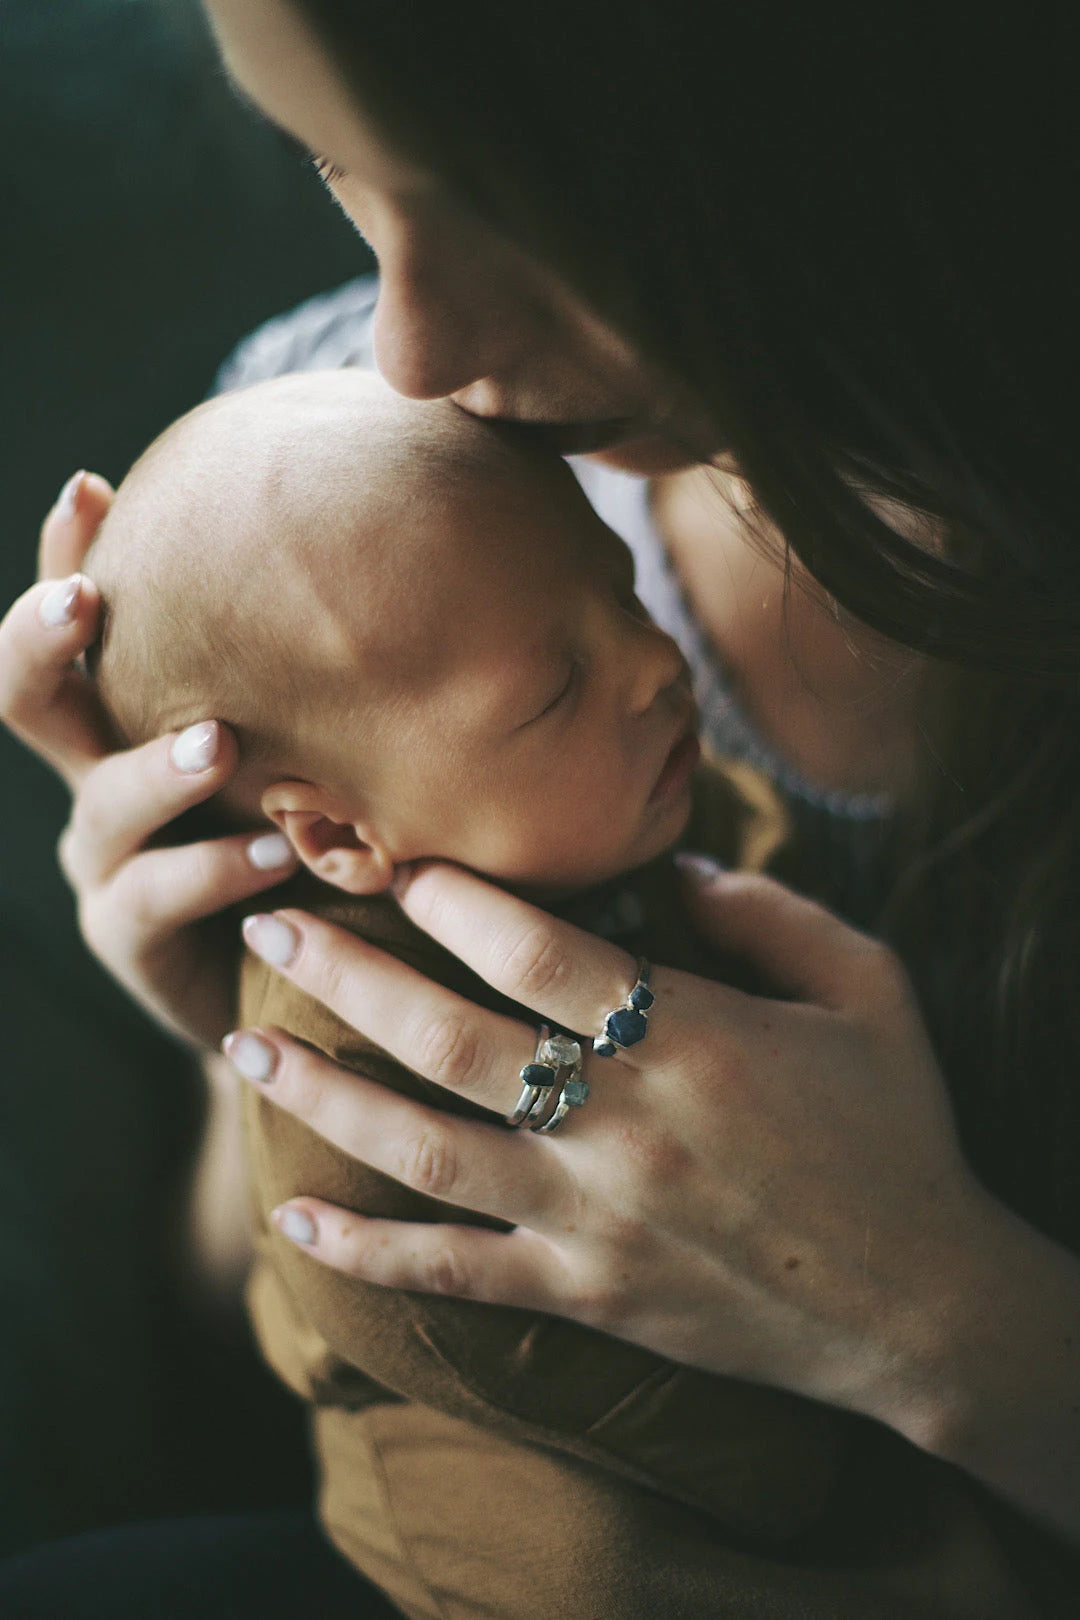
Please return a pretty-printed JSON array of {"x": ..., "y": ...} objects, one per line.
[{"x": 850, "y": 231}]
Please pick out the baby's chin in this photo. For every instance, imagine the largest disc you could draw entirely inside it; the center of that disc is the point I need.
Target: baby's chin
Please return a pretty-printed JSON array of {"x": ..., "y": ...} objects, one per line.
[{"x": 658, "y": 839}]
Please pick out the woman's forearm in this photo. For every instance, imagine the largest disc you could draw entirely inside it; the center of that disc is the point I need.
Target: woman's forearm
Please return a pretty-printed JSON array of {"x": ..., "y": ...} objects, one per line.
[{"x": 997, "y": 1387}]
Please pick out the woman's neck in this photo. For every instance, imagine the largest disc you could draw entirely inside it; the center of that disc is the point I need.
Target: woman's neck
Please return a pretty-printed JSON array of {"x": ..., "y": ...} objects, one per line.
[{"x": 833, "y": 698}]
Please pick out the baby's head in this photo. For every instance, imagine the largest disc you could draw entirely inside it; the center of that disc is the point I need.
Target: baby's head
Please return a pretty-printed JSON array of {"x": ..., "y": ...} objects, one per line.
[{"x": 425, "y": 640}]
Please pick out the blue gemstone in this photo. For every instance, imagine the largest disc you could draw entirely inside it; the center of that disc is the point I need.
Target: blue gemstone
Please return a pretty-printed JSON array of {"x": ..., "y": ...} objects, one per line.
[
  {"x": 626, "y": 1026},
  {"x": 537, "y": 1074},
  {"x": 576, "y": 1092},
  {"x": 641, "y": 997},
  {"x": 603, "y": 1047}
]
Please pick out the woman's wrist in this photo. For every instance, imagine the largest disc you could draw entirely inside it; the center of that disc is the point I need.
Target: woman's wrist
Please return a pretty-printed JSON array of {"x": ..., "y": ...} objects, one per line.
[{"x": 984, "y": 1370}]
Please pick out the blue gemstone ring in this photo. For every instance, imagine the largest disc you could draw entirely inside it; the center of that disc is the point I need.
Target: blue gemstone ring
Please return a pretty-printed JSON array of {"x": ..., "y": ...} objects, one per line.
[{"x": 628, "y": 1024}]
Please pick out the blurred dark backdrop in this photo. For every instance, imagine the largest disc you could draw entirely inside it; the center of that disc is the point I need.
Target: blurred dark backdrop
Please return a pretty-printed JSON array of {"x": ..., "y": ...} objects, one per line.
[{"x": 148, "y": 221}]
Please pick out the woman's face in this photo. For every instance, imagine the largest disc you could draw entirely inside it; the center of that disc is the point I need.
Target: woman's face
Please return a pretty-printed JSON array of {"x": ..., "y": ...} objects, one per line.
[{"x": 462, "y": 312}]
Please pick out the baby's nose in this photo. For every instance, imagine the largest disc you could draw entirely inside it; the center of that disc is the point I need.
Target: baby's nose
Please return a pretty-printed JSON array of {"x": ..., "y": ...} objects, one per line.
[{"x": 658, "y": 665}]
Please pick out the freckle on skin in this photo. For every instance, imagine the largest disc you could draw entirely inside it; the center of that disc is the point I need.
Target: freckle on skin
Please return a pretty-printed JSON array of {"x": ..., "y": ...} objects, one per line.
[{"x": 792, "y": 1264}]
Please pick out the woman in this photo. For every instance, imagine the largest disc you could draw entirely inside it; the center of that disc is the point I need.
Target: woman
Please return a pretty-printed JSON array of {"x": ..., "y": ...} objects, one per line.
[{"x": 830, "y": 253}]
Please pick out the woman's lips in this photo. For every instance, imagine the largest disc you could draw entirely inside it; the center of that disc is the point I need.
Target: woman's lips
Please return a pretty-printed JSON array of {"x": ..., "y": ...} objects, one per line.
[
  {"x": 678, "y": 768},
  {"x": 568, "y": 438}
]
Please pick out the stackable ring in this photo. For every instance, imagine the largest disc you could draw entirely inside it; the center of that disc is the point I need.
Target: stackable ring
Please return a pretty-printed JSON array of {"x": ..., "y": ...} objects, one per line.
[
  {"x": 551, "y": 1084},
  {"x": 570, "y": 1092},
  {"x": 537, "y": 1079},
  {"x": 627, "y": 1025}
]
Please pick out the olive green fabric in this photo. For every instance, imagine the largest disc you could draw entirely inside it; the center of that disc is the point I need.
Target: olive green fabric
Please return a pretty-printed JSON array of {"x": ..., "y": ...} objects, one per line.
[{"x": 478, "y": 1460}]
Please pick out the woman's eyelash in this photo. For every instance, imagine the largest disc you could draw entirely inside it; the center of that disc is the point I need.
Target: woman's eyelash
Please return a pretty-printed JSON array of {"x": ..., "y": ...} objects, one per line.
[{"x": 328, "y": 172}]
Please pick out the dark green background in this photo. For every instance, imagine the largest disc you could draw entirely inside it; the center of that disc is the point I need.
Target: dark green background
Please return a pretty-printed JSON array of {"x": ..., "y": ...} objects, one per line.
[{"x": 148, "y": 221}]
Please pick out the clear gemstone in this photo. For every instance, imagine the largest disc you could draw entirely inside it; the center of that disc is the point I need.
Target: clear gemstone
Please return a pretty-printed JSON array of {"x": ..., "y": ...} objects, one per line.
[{"x": 561, "y": 1050}]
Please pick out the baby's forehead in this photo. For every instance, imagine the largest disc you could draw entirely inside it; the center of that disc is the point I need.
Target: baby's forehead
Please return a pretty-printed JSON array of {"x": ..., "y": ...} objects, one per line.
[{"x": 376, "y": 529}]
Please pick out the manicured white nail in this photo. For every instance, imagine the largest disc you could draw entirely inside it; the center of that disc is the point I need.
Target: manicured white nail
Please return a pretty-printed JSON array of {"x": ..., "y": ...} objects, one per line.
[
  {"x": 269, "y": 850},
  {"x": 295, "y": 1224},
  {"x": 699, "y": 868},
  {"x": 253, "y": 1057},
  {"x": 68, "y": 499},
  {"x": 196, "y": 748},
  {"x": 60, "y": 605},
  {"x": 271, "y": 939}
]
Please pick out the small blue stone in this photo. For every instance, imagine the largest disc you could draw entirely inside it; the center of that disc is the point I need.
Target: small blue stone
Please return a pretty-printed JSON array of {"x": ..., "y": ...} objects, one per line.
[
  {"x": 626, "y": 1026},
  {"x": 576, "y": 1092},
  {"x": 641, "y": 997},
  {"x": 603, "y": 1047},
  {"x": 537, "y": 1074}
]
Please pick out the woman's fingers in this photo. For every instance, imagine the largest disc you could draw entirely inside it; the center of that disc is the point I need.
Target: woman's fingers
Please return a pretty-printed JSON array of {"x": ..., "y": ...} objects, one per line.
[
  {"x": 427, "y": 1027},
  {"x": 464, "y": 1162},
  {"x": 72, "y": 524},
  {"x": 570, "y": 977},
  {"x": 500, "y": 1268},
  {"x": 160, "y": 891},
  {"x": 805, "y": 951},
  {"x": 130, "y": 796},
  {"x": 44, "y": 697}
]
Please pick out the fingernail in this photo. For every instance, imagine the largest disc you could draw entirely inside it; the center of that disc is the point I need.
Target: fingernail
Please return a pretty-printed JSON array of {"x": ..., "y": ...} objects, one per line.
[
  {"x": 196, "y": 748},
  {"x": 275, "y": 941},
  {"x": 67, "y": 502},
  {"x": 253, "y": 1057},
  {"x": 268, "y": 851},
  {"x": 60, "y": 605},
  {"x": 699, "y": 868},
  {"x": 296, "y": 1224},
  {"x": 403, "y": 876}
]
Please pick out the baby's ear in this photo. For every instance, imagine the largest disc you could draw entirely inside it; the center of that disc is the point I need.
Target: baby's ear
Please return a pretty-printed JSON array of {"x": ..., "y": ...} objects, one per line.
[{"x": 338, "y": 850}]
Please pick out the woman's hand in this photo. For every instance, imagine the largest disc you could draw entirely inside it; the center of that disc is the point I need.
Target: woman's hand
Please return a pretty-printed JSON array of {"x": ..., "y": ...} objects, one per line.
[
  {"x": 147, "y": 913},
  {"x": 770, "y": 1189},
  {"x": 766, "y": 1188}
]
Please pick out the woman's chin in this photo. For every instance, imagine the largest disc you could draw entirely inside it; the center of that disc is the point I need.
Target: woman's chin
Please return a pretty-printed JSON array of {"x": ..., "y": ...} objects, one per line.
[{"x": 647, "y": 457}]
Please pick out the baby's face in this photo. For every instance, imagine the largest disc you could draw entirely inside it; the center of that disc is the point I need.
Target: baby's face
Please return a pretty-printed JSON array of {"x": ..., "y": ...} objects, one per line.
[{"x": 515, "y": 709}]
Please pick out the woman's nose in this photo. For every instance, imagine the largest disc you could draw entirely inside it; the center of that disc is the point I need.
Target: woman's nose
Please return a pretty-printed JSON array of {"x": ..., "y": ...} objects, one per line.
[
  {"x": 425, "y": 348},
  {"x": 444, "y": 319}
]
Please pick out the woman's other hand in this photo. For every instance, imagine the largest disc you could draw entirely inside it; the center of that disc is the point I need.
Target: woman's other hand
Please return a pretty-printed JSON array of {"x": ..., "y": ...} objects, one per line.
[
  {"x": 766, "y": 1188},
  {"x": 147, "y": 913}
]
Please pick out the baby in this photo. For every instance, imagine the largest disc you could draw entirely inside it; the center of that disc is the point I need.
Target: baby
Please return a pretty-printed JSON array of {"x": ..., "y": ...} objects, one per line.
[
  {"x": 426, "y": 641},
  {"x": 428, "y": 644}
]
